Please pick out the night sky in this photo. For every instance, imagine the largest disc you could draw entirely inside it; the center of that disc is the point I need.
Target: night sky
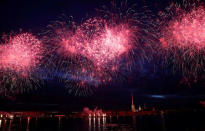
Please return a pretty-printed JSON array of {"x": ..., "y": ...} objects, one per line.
[{"x": 150, "y": 86}]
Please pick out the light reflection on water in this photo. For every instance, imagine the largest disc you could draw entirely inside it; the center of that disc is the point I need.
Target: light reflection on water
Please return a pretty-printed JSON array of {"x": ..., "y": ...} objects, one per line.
[
  {"x": 101, "y": 123},
  {"x": 160, "y": 122},
  {"x": 0, "y": 123}
]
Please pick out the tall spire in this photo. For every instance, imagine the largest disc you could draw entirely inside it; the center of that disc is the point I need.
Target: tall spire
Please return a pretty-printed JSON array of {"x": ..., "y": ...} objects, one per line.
[
  {"x": 132, "y": 98},
  {"x": 132, "y": 106}
]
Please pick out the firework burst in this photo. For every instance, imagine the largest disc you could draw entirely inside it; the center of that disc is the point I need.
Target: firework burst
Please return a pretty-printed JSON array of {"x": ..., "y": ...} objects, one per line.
[
  {"x": 103, "y": 47},
  {"x": 101, "y": 44},
  {"x": 20, "y": 55},
  {"x": 183, "y": 38}
]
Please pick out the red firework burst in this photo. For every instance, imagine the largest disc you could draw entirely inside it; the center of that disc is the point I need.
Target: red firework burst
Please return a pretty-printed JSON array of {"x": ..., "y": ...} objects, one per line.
[
  {"x": 183, "y": 39},
  {"x": 106, "y": 47},
  {"x": 21, "y": 53},
  {"x": 102, "y": 44},
  {"x": 187, "y": 31}
]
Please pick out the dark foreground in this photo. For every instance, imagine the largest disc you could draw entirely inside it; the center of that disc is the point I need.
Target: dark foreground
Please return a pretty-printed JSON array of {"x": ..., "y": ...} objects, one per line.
[{"x": 192, "y": 120}]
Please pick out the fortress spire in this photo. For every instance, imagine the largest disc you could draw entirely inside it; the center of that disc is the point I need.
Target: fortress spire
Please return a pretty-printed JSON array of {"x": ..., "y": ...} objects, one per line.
[{"x": 132, "y": 106}]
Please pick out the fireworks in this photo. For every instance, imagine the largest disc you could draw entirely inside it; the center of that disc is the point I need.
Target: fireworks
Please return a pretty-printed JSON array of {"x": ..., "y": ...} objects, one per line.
[
  {"x": 107, "y": 47},
  {"x": 183, "y": 39},
  {"x": 20, "y": 55},
  {"x": 81, "y": 82},
  {"x": 103, "y": 48},
  {"x": 188, "y": 31},
  {"x": 99, "y": 43}
]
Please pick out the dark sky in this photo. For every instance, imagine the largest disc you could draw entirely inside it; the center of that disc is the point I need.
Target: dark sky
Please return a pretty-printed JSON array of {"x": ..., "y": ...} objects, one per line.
[
  {"x": 151, "y": 88},
  {"x": 36, "y": 14}
]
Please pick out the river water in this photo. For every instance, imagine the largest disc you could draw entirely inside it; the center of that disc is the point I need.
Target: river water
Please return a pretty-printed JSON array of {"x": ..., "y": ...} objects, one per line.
[{"x": 189, "y": 121}]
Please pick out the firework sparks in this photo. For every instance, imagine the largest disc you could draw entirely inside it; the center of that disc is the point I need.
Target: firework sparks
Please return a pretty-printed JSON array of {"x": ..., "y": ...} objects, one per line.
[
  {"x": 183, "y": 39},
  {"x": 19, "y": 56},
  {"x": 103, "y": 46},
  {"x": 188, "y": 31},
  {"x": 22, "y": 53},
  {"x": 98, "y": 47}
]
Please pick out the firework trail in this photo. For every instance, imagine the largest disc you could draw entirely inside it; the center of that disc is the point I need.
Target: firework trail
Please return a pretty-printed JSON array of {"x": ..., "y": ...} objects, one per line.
[
  {"x": 103, "y": 46},
  {"x": 182, "y": 38},
  {"x": 20, "y": 55}
]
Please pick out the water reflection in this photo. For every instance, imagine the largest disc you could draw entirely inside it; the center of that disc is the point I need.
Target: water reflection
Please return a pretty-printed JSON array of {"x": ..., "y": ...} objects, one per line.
[
  {"x": 0, "y": 122},
  {"x": 161, "y": 122},
  {"x": 90, "y": 124},
  {"x": 59, "y": 123},
  {"x": 99, "y": 124},
  {"x": 134, "y": 122},
  {"x": 5, "y": 124},
  {"x": 99, "y": 121},
  {"x": 103, "y": 123},
  {"x": 28, "y": 123},
  {"x": 10, "y": 124}
]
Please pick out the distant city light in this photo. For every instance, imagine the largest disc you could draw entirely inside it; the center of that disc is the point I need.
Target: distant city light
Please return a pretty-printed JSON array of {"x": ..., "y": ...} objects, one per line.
[{"x": 158, "y": 96}]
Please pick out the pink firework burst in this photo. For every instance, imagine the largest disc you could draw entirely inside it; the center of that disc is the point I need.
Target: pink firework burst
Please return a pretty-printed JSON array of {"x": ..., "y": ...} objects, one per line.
[
  {"x": 186, "y": 31},
  {"x": 99, "y": 42},
  {"x": 182, "y": 39},
  {"x": 21, "y": 53},
  {"x": 104, "y": 48},
  {"x": 110, "y": 45}
]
